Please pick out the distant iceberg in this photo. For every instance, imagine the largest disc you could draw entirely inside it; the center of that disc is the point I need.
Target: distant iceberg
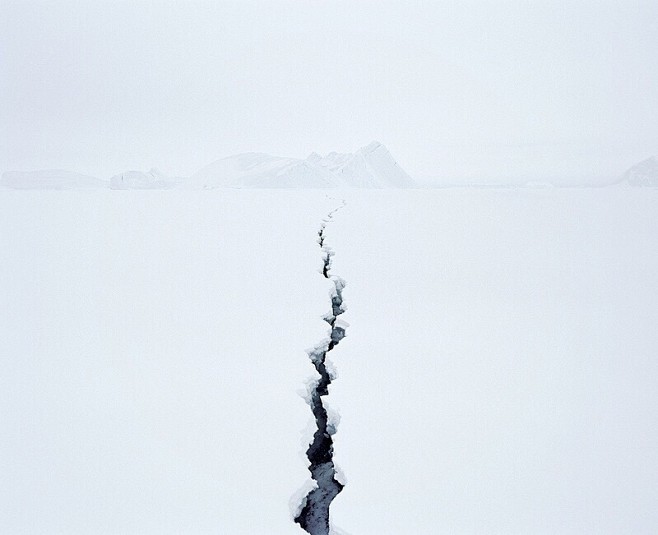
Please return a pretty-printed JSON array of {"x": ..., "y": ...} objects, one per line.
[
  {"x": 372, "y": 166},
  {"x": 258, "y": 170}
]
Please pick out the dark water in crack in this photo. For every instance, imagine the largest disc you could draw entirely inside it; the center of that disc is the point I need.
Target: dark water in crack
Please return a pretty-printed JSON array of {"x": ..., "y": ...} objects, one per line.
[{"x": 314, "y": 515}]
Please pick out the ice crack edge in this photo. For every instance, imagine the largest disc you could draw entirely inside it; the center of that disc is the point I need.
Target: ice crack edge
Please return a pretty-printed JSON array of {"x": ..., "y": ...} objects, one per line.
[{"x": 313, "y": 515}]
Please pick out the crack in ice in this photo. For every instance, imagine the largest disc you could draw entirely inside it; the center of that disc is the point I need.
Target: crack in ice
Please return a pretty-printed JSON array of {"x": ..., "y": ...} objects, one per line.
[{"x": 314, "y": 514}]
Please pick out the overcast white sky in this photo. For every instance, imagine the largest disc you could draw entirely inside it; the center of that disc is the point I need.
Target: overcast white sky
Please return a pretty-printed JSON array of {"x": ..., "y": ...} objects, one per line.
[{"x": 456, "y": 90}]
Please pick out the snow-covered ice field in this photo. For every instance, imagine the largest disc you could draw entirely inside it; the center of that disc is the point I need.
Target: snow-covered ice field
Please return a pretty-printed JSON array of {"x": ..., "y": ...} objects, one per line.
[
  {"x": 499, "y": 374},
  {"x": 501, "y": 370}
]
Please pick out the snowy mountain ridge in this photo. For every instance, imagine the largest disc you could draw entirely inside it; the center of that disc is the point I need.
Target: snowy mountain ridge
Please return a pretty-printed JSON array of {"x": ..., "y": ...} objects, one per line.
[
  {"x": 644, "y": 173},
  {"x": 154, "y": 179},
  {"x": 258, "y": 170},
  {"x": 372, "y": 166}
]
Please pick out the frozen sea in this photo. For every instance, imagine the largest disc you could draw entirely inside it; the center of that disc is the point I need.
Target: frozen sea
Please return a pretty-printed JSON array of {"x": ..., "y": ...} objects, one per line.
[{"x": 499, "y": 375}]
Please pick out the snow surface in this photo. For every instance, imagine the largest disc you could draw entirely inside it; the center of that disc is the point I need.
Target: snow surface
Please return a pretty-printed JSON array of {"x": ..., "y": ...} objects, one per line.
[
  {"x": 499, "y": 373},
  {"x": 49, "y": 179},
  {"x": 644, "y": 173},
  {"x": 153, "y": 351}
]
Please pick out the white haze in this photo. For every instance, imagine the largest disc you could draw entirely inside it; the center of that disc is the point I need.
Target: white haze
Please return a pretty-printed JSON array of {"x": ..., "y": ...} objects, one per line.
[{"x": 459, "y": 91}]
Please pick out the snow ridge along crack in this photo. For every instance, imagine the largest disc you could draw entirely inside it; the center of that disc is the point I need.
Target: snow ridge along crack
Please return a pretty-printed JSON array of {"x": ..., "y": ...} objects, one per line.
[{"x": 314, "y": 514}]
